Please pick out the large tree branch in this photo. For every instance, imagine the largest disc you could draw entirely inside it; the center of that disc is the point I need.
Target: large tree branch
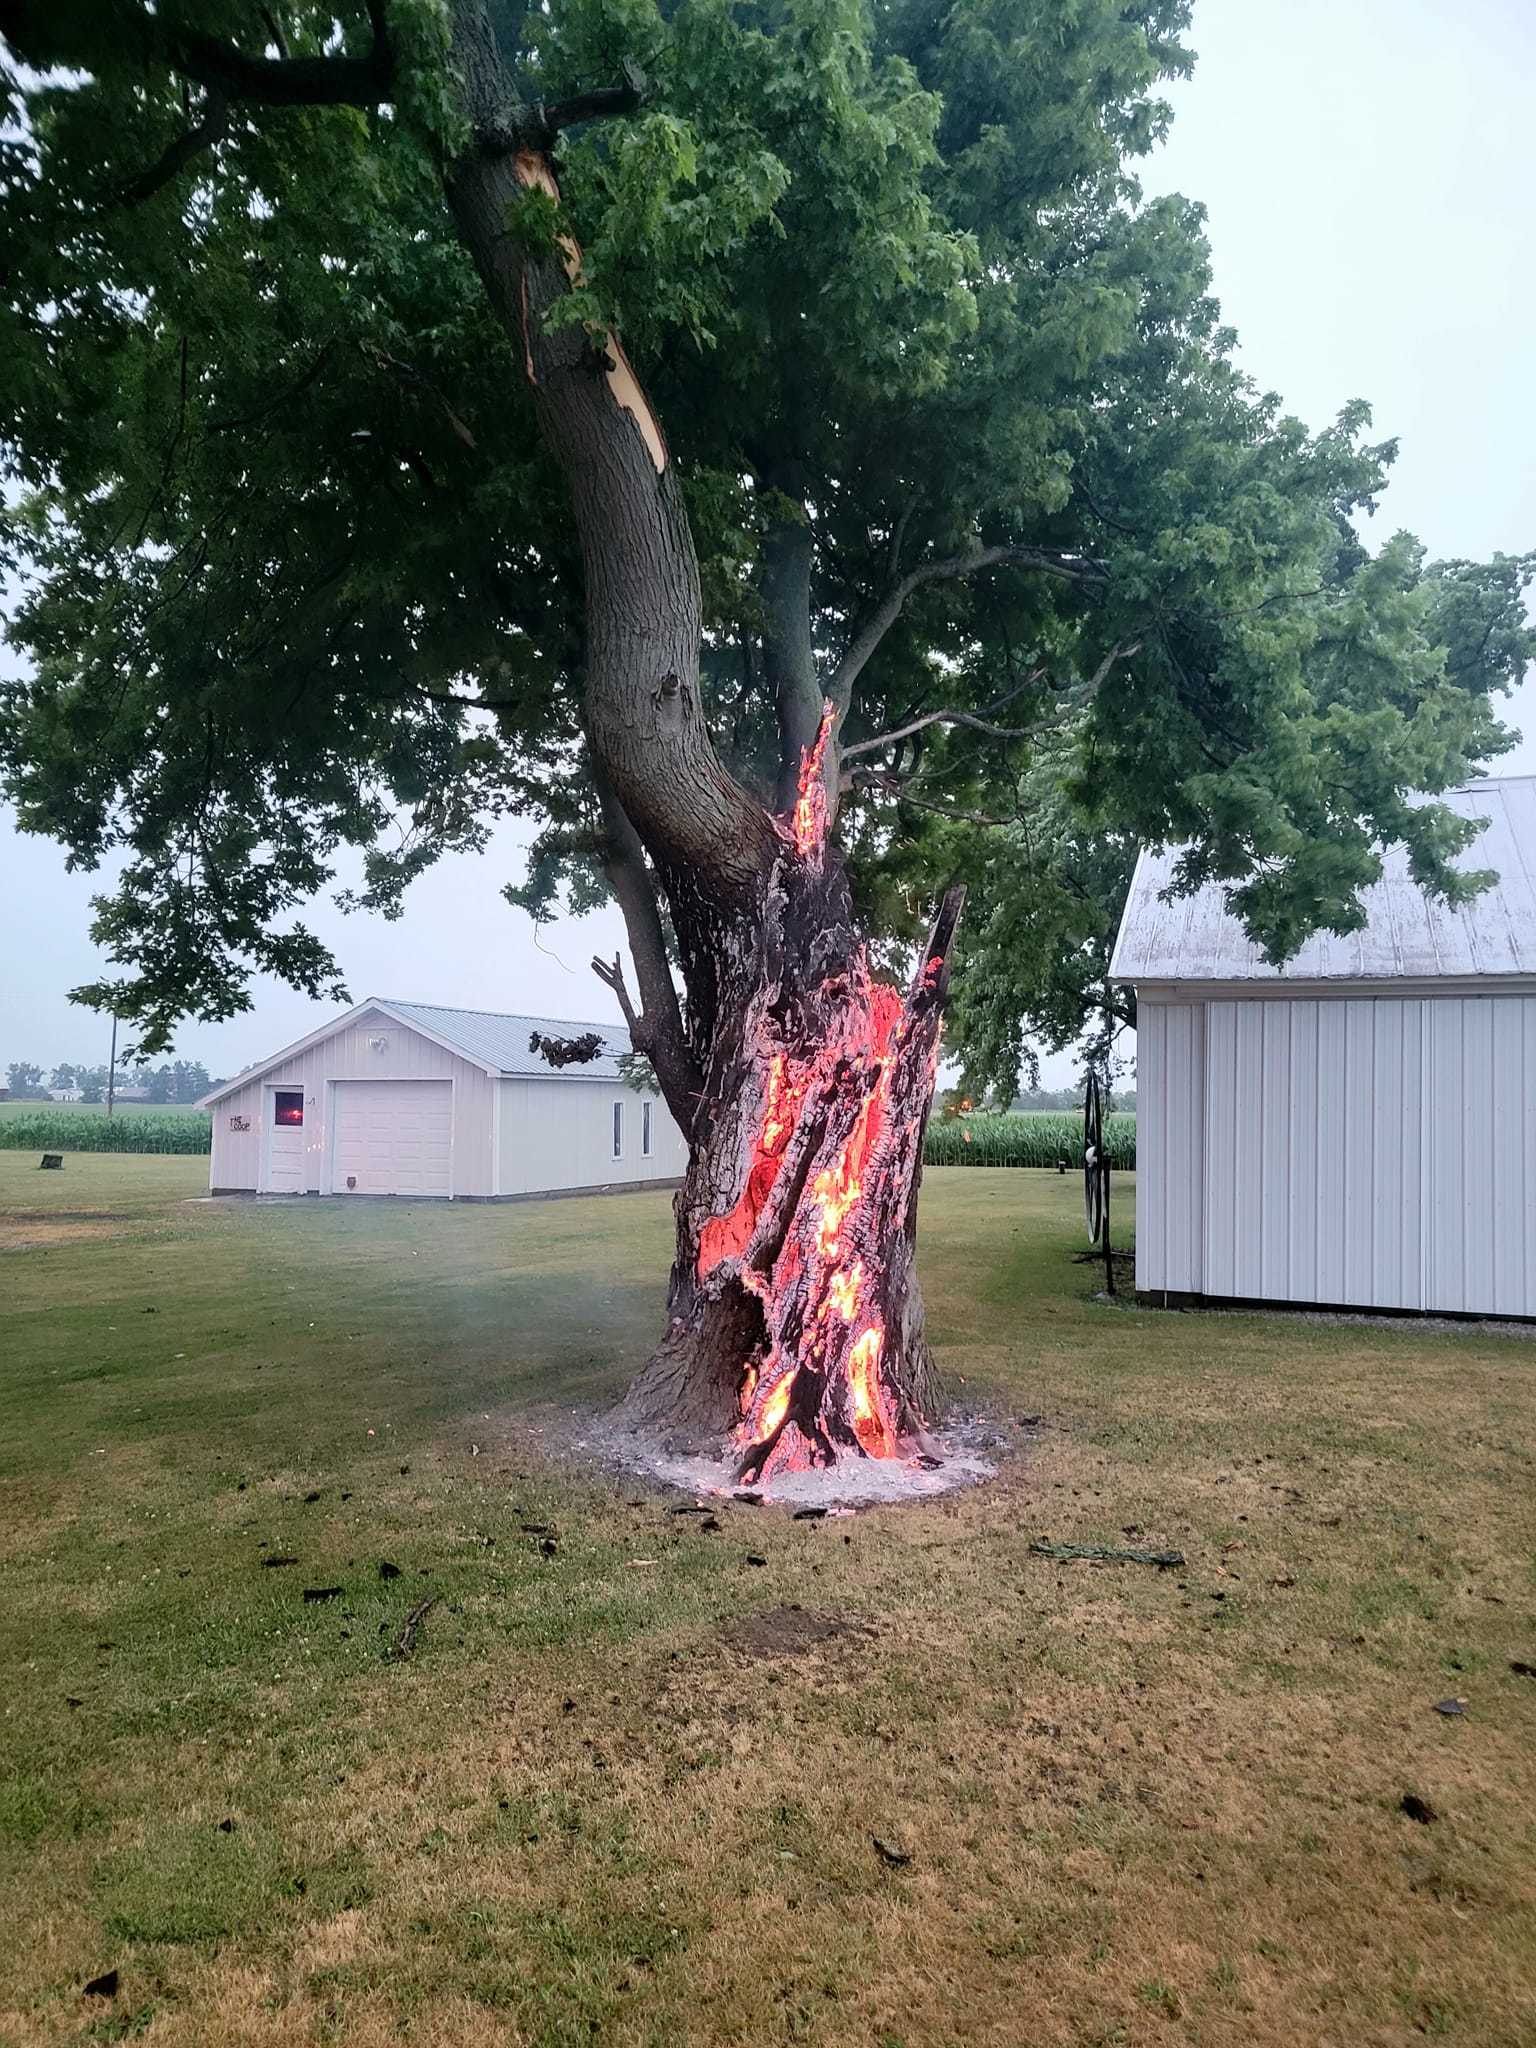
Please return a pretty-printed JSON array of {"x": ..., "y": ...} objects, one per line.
[
  {"x": 789, "y": 658},
  {"x": 978, "y": 722},
  {"x": 47, "y": 36},
  {"x": 212, "y": 128},
  {"x": 887, "y": 608},
  {"x": 657, "y": 1030},
  {"x": 643, "y": 703},
  {"x": 893, "y": 786},
  {"x": 331, "y": 81}
]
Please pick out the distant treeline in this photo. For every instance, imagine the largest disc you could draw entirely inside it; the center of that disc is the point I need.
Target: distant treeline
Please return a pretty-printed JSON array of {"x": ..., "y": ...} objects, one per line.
[
  {"x": 183, "y": 1081},
  {"x": 1034, "y": 1099}
]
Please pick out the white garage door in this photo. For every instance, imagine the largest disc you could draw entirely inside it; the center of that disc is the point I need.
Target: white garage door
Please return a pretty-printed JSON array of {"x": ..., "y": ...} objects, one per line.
[{"x": 393, "y": 1138}]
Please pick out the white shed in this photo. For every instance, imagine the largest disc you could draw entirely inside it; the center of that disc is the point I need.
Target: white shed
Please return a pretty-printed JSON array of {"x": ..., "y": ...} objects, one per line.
[
  {"x": 412, "y": 1099},
  {"x": 1356, "y": 1128}
]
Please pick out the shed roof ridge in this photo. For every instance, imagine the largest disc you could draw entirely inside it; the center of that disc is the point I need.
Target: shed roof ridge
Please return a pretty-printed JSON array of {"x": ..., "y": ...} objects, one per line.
[{"x": 502, "y": 1016}]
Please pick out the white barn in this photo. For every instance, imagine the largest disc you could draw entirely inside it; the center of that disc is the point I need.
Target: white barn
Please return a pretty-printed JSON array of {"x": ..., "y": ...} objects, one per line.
[
  {"x": 412, "y": 1099},
  {"x": 1354, "y": 1129}
]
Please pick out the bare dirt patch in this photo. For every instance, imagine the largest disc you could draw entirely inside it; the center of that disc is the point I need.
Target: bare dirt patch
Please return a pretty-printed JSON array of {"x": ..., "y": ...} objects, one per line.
[
  {"x": 792, "y": 1631},
  {"x": 31, "y": 1233}
]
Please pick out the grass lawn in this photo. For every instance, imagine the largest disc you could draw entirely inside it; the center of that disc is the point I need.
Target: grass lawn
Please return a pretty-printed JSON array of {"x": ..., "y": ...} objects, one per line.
[{"x": 627, "y": 1793}]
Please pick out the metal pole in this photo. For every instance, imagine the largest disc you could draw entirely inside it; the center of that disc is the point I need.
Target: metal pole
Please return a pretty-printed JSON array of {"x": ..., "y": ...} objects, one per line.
[
  {"x": 1109, "y": 1263},
  {"x": 112, "y": 1066}
]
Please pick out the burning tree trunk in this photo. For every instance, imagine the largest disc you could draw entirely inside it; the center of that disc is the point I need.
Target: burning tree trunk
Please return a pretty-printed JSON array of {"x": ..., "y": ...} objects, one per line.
[
  {"x": 802, "y": 1083},
  {"x": 796, "y": 1318}
]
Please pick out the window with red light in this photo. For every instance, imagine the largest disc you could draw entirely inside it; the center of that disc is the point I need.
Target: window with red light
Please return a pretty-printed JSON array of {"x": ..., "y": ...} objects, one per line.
[{"x": 288, "y": 1105}]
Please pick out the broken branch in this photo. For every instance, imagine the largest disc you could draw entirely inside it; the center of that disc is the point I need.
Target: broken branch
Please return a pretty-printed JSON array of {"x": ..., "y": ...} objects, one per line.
[
  {"x": 405, "y": 1642},
  {"x": 613, "y": 977}
]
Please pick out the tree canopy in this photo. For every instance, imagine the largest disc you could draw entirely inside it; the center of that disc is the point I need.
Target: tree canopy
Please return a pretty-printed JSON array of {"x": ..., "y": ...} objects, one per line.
[{"x": 962, "y": 442}]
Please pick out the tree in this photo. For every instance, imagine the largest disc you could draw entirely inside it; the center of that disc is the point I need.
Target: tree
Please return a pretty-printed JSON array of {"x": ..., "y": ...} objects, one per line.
[
  {"x": 922, "y": 475},
  {"x": 25, "y": 1081},
  {"x": 64, "y": 1076}
]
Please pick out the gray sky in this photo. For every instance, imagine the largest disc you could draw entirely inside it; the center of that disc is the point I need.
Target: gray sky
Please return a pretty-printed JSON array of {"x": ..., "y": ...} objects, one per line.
[{"x": 1369, "y": 181}]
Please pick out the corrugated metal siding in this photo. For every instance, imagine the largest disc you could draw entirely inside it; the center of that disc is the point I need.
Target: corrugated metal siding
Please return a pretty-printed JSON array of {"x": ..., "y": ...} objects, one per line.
[
  {"x": 562, "y": 1137},
  {"x": 1378, "y": 1153},
  {"x": 1170, "y": 1145},
  {"x": 1406, "y": 936}
]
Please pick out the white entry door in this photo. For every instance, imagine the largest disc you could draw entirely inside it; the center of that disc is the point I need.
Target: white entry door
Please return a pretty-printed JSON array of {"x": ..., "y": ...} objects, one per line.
[
  {"x": 287, "y": 1156},
  {"x": 393, "y": 1138}
]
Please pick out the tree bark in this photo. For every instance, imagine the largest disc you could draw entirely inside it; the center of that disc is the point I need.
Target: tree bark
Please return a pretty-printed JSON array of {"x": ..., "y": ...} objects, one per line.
[
  {"x": 795, "y": 1323},
  {"x": 795, "y": 1318}
]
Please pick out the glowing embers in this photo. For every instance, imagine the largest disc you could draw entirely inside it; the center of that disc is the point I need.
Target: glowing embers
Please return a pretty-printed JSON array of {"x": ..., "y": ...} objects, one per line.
[
  {"x": 877, "y": 1439},
  {"x": 819, "y": 1394},
  {"x": 808, "y": 819},
  {"x": 727, "y": 1236},
  {"x": 832, "y": 1140}
]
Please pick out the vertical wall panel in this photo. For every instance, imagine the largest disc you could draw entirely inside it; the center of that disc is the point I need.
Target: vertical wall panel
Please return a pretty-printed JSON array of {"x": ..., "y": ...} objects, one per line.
[
  {"x": 1221, "y": 1195},
  {"x": 1186, "y": 1149},
  {"x": 1152, "y": 1083},
  {"x": 1360, "y": 1189},
  {"x": 1327, "y": 1220},
  {"x": 1413, "y": 1111},
  {"x": 1509, "y": 1191},
  {"x": 1299, "y": 1141},
  {"x": 1274, "y": 1093},
  {"x": 1477, "y": 1133},
  {"x": 1444, "y": 1177},
  {"x": 1384, "y": 1196},
  {"x": 1170, "y": 1146}
]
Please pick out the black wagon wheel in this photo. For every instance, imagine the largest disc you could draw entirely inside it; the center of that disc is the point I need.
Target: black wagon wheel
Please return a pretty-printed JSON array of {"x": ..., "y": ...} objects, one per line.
[{"x": 1095, "y": 1160}]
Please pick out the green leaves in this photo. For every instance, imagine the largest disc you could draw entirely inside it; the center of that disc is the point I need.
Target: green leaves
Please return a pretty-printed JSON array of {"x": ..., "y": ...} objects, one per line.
[{"x": 297, "y": 576}]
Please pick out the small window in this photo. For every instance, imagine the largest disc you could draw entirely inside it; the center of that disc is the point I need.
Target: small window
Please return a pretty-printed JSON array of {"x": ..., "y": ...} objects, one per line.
[
  {"x": 288, "y": 1106},
  {"x": 645, "y": 1129},
  {"x": 618, "y": 1130}
]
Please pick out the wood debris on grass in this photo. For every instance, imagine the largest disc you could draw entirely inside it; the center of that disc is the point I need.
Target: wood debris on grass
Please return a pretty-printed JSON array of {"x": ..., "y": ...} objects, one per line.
[
  {"x": 405, "y": 1642},
  {"x": 1106, "y": 1553}
]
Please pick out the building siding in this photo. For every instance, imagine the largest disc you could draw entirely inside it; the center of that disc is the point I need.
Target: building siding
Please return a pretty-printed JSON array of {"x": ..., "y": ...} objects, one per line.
[
  {"x": 560, "y": 1135},
  {"x": 347, "y": 1055},
  {"x": 1170, "y": 1121},
  {"x": 510, "y": 1137},
  {"x": 1376, "y": 1152}
]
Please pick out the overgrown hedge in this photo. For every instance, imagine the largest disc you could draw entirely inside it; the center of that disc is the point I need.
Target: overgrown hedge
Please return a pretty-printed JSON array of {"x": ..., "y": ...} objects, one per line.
[
  {"x": 1034, "y": 1138},
  {"x": 62, "y": 1127}
]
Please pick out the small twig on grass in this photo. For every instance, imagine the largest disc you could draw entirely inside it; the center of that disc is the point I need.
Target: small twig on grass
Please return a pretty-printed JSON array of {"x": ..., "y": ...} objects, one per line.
[
  {"x": 1103, "y": 1553},
  {"x": 406, "y": 1641}
]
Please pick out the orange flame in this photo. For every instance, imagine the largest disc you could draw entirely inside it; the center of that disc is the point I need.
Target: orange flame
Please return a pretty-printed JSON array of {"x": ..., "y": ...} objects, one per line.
[
  {"x": 777, "y": 1405},
  {"x": 822, "y": 1293},
  {"x": 808, "y": 819},
  {"x": 869, "y": 1423}
]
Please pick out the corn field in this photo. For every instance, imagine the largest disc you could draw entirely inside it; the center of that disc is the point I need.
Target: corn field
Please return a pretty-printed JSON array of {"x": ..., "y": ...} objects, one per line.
[
  {"x": 1033, "y": 1138},
  {"x": 65, "y": 1127},
  {"x": 1036, "y": 1138}
]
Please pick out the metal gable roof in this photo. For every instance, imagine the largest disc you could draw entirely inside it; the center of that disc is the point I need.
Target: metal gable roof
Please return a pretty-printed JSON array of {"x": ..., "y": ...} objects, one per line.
[
  {"x": 499, "y": 1042},
  {"x": 492, "y": 1040},
  {"x": 1406, "y": 936}
]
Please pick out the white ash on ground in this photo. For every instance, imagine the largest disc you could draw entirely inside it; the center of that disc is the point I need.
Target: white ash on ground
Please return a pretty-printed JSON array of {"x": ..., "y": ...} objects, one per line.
[{"x": 962, "y": 1454}]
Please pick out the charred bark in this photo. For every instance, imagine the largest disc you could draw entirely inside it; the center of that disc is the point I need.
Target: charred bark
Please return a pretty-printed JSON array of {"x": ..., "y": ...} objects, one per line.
[
  {"x": 796, "y": 1323},
  {"x": 795, "y": 1317}
]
